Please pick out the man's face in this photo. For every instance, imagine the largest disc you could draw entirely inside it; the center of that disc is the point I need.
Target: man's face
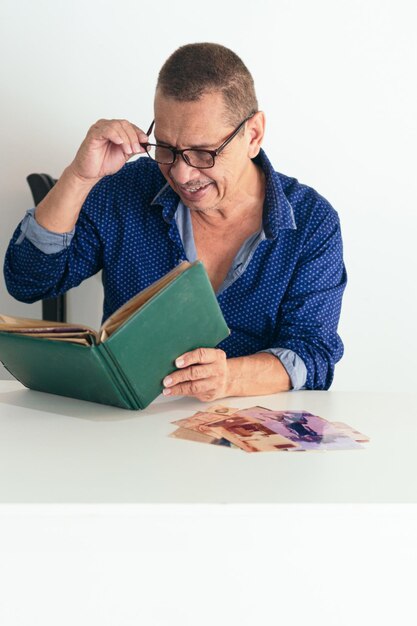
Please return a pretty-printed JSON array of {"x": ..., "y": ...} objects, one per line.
[{"x": 202, "y": 124}]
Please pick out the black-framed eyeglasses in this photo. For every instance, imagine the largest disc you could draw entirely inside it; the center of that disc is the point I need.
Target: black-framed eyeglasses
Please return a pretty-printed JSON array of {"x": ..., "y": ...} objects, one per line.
[{"x": 201, "y": 159}]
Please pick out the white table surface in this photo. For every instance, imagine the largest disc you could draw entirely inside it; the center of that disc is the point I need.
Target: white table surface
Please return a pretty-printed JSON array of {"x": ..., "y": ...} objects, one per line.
[{"x": 55, "y": 449}]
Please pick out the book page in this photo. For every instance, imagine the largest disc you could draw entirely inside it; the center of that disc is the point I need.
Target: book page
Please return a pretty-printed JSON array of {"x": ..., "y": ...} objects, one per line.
[
  {"x": 48, "y": 329},
  {"x": 77, "y": 333},
  {"x": 131, "y": 306}
]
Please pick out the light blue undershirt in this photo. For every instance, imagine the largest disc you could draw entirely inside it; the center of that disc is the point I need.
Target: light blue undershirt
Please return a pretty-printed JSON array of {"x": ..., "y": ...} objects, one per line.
[{"x": 50, "y": 243}]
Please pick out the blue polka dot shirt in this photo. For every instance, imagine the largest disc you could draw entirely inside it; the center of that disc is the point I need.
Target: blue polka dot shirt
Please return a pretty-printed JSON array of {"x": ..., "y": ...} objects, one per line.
[{"x": 283, "y": 292}]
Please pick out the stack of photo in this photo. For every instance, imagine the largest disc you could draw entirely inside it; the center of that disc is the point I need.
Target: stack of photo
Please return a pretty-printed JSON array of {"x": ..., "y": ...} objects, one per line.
[{"x": 258, "y": 429}]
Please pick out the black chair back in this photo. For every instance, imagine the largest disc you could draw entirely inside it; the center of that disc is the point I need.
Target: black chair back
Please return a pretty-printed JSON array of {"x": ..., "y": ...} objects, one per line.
[{"x": 53, "y": 309}]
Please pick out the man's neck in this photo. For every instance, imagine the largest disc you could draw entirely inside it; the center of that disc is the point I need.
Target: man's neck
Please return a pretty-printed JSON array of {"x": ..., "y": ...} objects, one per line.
[{"x": 246, "y": 207}]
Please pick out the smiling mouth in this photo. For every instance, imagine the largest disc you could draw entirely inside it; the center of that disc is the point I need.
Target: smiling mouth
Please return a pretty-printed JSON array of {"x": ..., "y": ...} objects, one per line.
[{"x": 195, "y": 189}]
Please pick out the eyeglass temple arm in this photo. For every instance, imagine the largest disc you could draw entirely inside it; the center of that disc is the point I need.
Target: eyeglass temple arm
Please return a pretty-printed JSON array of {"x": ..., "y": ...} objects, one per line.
[
  {"x": 150, "y": 128},
  {"x": 232, "y": 136},
  {"x": 144, "y": 143}
]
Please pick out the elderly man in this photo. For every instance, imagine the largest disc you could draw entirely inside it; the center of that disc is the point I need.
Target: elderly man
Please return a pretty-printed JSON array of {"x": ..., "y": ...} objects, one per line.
[{"x": 271, "y": 246}]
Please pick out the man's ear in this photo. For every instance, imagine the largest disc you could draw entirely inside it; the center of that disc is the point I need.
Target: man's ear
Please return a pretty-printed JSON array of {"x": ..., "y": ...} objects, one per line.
[{"x": 256, "y": 131}]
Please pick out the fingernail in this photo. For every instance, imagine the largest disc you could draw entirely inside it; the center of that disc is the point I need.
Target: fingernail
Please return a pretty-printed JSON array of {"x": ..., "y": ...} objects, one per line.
[
  {"x": 168, "y": 381},
  {"x": 136, "y": 147},
  {"x": 166, "y": 392},
  {"x": 179, "y": 362}
]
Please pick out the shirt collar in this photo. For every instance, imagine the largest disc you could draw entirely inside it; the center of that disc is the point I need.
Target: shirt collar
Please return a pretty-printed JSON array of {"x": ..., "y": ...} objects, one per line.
[
  {"x": 168, "y": 200},
  {"x": 278, "y": 213}
]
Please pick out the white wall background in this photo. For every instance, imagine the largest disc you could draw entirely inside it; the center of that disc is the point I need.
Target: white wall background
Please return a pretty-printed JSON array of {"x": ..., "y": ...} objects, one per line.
[{"x": 337, "y": 81}]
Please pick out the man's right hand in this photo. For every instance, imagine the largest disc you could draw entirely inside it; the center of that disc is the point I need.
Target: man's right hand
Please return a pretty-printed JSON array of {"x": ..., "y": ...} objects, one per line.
[{"x": 106, "y": 148}]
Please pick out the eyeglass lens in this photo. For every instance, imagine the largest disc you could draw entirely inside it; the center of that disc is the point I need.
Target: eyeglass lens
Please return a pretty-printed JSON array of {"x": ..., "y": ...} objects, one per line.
[{"x": 166, "y": 156}]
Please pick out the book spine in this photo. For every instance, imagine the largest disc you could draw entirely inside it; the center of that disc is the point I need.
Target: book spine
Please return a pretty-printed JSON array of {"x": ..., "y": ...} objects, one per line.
[{"x": 119, "y": 378}]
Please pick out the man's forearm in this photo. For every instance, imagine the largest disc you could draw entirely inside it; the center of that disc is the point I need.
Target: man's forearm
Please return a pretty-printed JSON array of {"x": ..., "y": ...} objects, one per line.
[
  {"x": 256, "y": 374},
  {"x": 59, "y": 210}
]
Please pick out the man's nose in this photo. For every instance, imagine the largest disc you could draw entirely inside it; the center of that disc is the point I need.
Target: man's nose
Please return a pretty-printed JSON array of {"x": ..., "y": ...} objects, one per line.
[{"x": 182, "y": 172}]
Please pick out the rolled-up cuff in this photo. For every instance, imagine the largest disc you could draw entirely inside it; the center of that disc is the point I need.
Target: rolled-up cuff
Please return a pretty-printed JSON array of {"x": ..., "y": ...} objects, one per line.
[
  {"x": 45, "y": 240},
  {"x": 293, "y": 364}
]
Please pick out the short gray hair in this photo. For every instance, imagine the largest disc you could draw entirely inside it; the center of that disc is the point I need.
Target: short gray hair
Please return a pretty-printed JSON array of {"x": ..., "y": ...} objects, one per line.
[{"x": 196, "y": 69}]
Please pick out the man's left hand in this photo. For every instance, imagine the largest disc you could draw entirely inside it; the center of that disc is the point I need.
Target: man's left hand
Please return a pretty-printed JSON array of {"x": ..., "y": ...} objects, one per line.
[{"x": 202, "y": 373}]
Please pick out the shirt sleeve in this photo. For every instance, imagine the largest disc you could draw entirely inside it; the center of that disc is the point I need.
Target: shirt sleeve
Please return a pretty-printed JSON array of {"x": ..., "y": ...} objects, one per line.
[
  {"x": 309, "y": 313},
  {"x": 45, "y": 240},
  {"x": 41, "y": 264},
  {"x": 293, "y": 364}
]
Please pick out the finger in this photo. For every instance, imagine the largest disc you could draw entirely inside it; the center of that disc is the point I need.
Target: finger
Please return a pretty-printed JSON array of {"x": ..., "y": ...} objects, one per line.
[
  {"x": 133, "y": 136},
  {"x": 191, "y": 388},
  {"x": 105, "y": 129},
  {"x": 120, "y": 132},
  {"x": 194, "y": 372},
  {"x": 127, "y": 142},
  {"x": 201, "y": 355},
  {"x": 112, "y": 130},
  {"x": 142, "y": 137}
]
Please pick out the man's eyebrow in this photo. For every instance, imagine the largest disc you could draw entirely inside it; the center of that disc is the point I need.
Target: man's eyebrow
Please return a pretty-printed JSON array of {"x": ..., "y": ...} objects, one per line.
[
  {"x": 205, "y": 146},
  {"x": 162, "y": 143}
]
